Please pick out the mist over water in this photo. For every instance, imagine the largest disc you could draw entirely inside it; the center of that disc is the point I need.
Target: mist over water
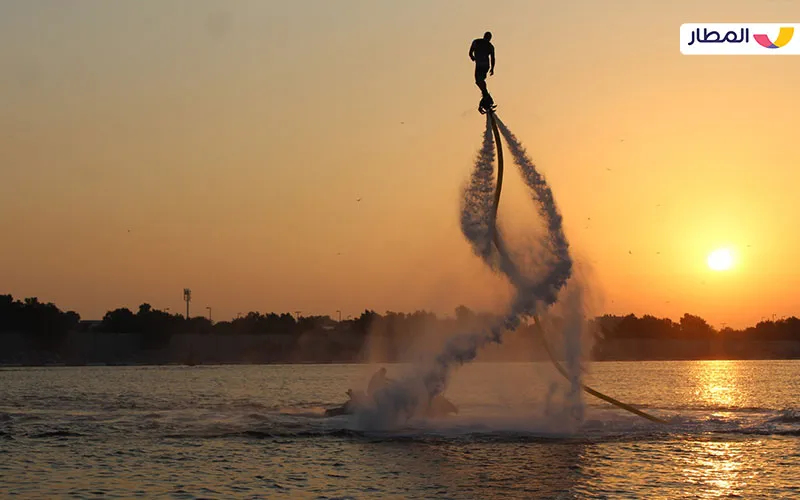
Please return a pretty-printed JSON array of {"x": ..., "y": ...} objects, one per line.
[{"x": 535, "y": 290}]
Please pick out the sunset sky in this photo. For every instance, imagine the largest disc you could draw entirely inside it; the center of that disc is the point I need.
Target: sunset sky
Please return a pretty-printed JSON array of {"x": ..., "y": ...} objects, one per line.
[{"x": 149, "y": 146}]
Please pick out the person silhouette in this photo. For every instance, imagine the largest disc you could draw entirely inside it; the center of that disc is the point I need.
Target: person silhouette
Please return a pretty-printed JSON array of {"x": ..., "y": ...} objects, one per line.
[
  {"x": 377, "y": 382},
  {"x": 482, "y": 53}
]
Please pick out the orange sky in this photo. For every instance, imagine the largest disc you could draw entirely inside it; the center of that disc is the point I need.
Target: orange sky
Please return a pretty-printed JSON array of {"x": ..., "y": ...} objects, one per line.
[{"x": 150, "y": 146}]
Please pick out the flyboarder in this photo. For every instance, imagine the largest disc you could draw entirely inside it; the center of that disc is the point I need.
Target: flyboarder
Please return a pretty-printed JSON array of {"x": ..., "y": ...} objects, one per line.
[{"x": 482, "y": 53}]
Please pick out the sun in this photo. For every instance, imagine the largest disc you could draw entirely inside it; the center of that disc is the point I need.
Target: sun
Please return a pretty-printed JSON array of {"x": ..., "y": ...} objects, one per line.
[{"x": 720, "y": 259}]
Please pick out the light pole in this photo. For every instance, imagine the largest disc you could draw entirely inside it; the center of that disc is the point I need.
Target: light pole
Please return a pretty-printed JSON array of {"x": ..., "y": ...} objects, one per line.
[
  {"x": 209, "y": 312},
  {"x": 340, "y": 315},
  {"x": 187, "y": 296}
]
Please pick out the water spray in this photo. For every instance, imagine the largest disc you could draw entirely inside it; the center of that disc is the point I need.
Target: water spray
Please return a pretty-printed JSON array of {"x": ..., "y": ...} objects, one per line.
[
  {"x": 400, "y": 401},
  {"x": 536, "y": 182}
]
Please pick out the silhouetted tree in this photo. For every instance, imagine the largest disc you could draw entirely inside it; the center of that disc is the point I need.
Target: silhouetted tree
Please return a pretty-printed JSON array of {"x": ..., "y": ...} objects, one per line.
[
  {"x": 45, "y": 324},
  {"x": 364, "y": 322},
  {"x": 695, "y": 327},
  {"x": 157, "y": 327},
  {"x": 120, "y": 320},
  {"x": 464, "y": 315}
]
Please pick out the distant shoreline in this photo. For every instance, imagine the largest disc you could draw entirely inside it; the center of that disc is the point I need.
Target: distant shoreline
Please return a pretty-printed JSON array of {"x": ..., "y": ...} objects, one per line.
[
  {"x": 345, "y": 348},
  {"x": 40, "y": 335},
  {"x": 365, "y": 363}
]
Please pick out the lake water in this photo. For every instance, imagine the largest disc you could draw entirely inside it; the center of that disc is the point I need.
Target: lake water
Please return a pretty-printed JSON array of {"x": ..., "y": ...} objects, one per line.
[{"x": 259, "y": 432}]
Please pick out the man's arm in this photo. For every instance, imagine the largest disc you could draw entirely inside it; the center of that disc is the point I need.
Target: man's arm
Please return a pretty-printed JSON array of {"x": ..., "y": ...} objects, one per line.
[
  {"x": 491, "y": 58},
  {"x": 472, "y": 51}
]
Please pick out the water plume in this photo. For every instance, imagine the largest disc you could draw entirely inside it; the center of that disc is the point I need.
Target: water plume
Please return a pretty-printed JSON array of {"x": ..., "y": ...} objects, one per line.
[
  {"x": 476, "y": 207},
  {"x": 404, "y": 399},
  {"x": 546, "y": 288}
]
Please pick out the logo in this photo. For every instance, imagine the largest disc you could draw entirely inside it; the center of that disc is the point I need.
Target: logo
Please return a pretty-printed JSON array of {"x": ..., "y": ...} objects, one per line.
[
  {"x": 745, "y": 39},
  {"x": 784, "y": 37}
]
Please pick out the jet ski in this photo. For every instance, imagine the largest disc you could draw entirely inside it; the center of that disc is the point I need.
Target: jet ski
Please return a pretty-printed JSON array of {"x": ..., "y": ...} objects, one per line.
[
  {"x": 349, "y": 407},
  {"x": 438, "y": 407}
]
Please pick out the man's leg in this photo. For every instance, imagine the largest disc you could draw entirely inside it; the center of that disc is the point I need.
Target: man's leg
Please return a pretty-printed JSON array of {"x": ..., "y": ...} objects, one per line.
[{"x": 480, "y": 78}]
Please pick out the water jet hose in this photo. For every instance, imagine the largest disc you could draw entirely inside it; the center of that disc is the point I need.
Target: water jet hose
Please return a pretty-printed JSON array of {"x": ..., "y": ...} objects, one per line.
[{"x": 538, "y": 327}]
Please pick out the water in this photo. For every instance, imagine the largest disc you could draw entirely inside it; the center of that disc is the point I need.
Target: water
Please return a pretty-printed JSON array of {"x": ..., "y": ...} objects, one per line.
[{"x": 258, "y": 432}]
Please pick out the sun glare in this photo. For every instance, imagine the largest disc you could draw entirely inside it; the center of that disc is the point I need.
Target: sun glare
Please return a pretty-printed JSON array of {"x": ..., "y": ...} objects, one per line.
[{"x": 720, "y": 259}]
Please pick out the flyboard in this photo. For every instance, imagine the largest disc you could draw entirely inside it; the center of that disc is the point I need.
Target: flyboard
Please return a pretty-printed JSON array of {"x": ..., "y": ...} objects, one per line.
[{"x": 488, "y": 107}]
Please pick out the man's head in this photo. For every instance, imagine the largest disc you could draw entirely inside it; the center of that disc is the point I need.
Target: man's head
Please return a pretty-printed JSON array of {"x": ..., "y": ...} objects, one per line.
[
  {"x": 382, "y": 371},
  {"x": 487, "y": 36}
]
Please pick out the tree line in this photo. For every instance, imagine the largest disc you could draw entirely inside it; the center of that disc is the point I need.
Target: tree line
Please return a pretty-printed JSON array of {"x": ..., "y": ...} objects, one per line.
[{"x": 46, "y": 324}]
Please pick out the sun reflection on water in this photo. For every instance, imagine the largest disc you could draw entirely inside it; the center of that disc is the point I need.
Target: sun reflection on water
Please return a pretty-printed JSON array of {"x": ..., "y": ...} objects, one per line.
[
  {"x": 717, "y": 383},
  {"x": 721, "y": 468}
]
